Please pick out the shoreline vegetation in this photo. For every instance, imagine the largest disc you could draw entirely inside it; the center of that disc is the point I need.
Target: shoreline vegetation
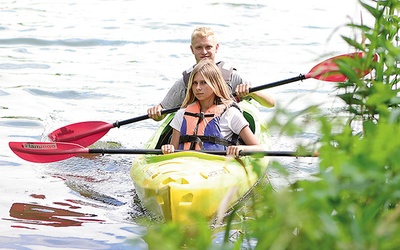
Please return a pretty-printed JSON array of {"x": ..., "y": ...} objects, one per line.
[{"x": 353, "y": 203}]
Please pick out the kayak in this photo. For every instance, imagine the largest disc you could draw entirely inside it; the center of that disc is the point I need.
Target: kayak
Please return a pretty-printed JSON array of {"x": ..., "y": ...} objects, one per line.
[{"x": 176, "y": 186}]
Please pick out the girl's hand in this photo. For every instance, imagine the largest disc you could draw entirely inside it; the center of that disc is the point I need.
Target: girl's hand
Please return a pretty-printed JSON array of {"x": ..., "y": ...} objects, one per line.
[
  {"x": 167, "y": 149},
  {"x": 234, "y": 150}
]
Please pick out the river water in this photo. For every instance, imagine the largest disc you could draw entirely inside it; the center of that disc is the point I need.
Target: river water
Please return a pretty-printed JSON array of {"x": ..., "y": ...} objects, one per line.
[{"x": 63, "y": 62}]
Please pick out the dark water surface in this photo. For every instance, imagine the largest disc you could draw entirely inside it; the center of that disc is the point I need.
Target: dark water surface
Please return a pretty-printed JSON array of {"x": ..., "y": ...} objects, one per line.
[{"x": 70, "y": 61}]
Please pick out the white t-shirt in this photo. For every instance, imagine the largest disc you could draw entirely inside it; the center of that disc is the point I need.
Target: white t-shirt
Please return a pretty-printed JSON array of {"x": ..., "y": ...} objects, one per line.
[{"x": 231, "y": 121}]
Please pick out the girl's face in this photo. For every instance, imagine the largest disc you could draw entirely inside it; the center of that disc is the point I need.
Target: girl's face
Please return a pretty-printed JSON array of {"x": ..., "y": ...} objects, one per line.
[{"x": 201, "y": 90}]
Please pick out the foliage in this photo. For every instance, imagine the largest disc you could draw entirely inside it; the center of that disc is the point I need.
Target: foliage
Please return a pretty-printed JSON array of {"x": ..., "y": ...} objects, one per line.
[
  {"x": 375, "y": 97},
  {"x": 171, "y": 236},
  {"x": 354, "y": 203}
]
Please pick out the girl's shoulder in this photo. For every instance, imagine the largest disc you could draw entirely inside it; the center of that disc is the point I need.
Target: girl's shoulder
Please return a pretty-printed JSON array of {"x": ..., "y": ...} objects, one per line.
[
  {"x": 180, "y": 112},
  {"x": 233, "y": 111}
]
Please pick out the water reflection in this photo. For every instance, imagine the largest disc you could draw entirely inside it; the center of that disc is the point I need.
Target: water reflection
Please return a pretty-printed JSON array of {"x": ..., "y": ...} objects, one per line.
[
  {"x": 35, "y": 214},
  {"x": 28, "y": 241}
]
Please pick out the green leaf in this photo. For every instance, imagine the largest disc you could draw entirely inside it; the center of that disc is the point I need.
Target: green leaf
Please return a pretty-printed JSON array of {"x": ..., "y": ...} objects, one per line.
[
  {"x": 374, "y": 12},
  {"x": 354, "y": 43}
]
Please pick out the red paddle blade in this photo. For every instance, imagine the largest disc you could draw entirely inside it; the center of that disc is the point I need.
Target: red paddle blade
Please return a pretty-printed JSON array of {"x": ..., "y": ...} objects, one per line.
[
  {"x": 82, "y": 133},
  {"x": 43, "y": 152},
  {"x": 328, "y": 70}
]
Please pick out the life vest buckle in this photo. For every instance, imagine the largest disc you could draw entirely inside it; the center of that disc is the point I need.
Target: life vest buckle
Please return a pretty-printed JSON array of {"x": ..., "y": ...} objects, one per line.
[{"x": 201, "y": 115}]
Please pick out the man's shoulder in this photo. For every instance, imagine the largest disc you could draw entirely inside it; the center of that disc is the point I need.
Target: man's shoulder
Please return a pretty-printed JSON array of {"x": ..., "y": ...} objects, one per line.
[
  {"x": 189, "y": 70},
  {"x": 221, "y": 64},
  {"x": 226, "y": 66}
]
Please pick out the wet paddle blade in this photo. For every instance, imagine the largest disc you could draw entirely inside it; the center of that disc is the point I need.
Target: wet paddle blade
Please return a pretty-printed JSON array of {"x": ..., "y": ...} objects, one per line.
[
  {"x": 328, "y": 70},
  {"x": 44, "y": 152},
  {"x": 82, "y": 133},
  {"x": 87, "y": 133}
]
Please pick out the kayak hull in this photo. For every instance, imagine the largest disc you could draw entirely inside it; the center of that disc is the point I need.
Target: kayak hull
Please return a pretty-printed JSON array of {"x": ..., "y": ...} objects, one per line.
[{"x": 177, "y": 186}]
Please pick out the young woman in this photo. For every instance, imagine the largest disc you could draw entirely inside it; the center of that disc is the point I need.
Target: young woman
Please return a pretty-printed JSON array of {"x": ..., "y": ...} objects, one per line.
[{"x": 209, "y": 118}]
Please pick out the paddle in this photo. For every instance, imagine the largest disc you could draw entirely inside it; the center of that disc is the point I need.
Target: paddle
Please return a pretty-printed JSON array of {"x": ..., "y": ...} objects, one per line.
[
  {"x": 43, "y": 152},
  {"x": 86, "y": 133}
]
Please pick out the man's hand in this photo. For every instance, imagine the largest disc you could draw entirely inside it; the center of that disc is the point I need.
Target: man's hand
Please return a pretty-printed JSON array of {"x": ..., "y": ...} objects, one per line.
[
  {"x": 155, "y": 113},
  {"x": 242, "y": 90},
  {"x": 266, "y": 100}
]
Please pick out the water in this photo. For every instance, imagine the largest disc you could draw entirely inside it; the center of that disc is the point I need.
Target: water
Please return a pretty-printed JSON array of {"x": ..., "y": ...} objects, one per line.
[{"x": 71, "y": 61}]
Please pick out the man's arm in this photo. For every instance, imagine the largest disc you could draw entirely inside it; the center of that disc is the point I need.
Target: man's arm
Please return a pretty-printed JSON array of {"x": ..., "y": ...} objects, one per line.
[
  {"x": 263, "y": 98},
  {"x": 242, "y": 87},
  {"x": 175, "y": 95}
]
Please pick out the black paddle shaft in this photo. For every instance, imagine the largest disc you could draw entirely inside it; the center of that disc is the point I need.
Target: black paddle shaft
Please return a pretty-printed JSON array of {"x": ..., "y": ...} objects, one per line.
[
  {"x": 159, "y": 152},
  {"x": 278, "y": 83},
  {"x": 117, "y": 124},
  {"x": 301, "y": 77}
]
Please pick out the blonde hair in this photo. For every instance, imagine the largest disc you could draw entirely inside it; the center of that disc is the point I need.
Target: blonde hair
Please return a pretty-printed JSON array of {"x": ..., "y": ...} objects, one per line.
[
  {"x": 213, "y": 77},
  {"x": 203, "y": 32}
]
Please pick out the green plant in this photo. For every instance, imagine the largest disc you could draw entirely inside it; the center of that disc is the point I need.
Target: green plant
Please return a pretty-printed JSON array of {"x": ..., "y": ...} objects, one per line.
[{"x": 375, "y": 97}]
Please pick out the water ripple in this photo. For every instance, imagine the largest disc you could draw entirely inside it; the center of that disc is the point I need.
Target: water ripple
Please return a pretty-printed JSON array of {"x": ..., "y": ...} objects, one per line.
[
  {"x": 20, "y": 123},
  {"x": 66, "y": 94},
  {"x": 23, "y": 66},
  {"x": 9, "y": 163},
  {"x": 67, "y": 42}
]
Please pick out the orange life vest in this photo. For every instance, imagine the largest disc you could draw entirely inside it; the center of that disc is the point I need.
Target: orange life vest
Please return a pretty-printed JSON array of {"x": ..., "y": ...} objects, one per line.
[{"x": 201, "y": 131}]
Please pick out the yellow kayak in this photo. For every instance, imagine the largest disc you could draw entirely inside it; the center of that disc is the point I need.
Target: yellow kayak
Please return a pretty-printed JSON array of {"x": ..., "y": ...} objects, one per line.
[{"x": 177, "y": 185}]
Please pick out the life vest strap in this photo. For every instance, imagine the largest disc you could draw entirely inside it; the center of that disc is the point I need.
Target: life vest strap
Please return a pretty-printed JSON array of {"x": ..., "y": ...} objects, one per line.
[
  {"x": 200, "y": 139},
  {"x": 201, "y": 115}
]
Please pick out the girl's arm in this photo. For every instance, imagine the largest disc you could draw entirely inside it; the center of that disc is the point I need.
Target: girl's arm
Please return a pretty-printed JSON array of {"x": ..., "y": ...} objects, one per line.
[
  {"x": 170, "y": 148},
  {"x": 251, "y": 143},
  {"x": 175, "y": 138}
]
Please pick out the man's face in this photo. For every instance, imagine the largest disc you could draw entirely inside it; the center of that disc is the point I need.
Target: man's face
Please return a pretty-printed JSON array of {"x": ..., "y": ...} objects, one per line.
[{"x": 204, "y": 47}]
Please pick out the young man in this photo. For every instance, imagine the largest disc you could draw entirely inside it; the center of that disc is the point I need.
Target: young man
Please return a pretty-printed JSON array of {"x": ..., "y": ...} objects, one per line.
[{"x": 204, "y": 45}]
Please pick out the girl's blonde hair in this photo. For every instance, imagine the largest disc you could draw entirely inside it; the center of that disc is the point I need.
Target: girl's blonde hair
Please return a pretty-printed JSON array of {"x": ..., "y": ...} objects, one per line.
[{"x": 213, "y": 77}]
